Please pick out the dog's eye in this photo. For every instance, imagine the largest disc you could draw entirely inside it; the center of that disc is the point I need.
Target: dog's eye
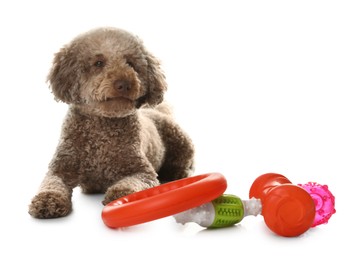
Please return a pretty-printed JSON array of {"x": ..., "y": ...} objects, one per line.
[{"x": 99, "y": 64}]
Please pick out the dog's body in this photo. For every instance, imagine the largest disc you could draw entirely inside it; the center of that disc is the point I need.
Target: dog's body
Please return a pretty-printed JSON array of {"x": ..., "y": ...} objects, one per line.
[{"x": 118, "y": 138}]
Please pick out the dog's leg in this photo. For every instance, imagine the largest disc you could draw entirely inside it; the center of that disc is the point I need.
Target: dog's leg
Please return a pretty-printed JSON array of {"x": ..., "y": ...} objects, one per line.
[
  {"x": 52, "y": 200},
  {"x": 179, "y": 158},
  {"x": 130, "y": 184}
]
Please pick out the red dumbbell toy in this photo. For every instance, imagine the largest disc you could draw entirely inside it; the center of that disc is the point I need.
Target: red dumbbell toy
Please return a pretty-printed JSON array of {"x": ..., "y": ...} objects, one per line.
[{"x": 289, "y": 210}]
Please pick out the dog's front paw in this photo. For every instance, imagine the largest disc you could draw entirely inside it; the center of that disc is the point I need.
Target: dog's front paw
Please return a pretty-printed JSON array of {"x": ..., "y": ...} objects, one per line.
[
  {"x": 50, "y": 204},
  {"x": 127, "y": 186},
  {"x": 114, "y": 193}
]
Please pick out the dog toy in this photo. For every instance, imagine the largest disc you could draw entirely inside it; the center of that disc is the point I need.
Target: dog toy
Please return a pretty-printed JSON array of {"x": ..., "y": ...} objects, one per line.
[
  {"x": 324, "y": 202},
  {"x": 288, "y": 210},
  {"x": 163, "y": 200}
]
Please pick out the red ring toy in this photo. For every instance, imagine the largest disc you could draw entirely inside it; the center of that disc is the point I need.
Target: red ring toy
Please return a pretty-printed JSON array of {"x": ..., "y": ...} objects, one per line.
[{"x": 163, "y": 200}]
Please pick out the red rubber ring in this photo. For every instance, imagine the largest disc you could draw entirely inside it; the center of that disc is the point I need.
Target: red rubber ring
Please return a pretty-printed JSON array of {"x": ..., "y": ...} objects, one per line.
[{"x": 163, "y": 200}]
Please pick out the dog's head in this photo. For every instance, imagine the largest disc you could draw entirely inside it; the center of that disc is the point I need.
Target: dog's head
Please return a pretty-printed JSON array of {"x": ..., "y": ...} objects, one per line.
[{"x": 107, "y": 72}]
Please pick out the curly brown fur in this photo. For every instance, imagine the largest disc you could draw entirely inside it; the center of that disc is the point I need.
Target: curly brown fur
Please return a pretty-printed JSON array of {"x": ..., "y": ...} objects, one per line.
[{"x": 117, "y": 138}]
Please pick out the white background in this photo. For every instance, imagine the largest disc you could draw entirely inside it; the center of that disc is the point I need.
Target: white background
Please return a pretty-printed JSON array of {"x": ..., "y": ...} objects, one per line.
[{"x": 260, "y": 86}]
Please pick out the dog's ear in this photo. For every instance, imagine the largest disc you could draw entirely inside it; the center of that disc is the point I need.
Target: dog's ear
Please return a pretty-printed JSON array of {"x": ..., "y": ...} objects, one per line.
[
  {"x": 156, "y": 81},
  {"x": 64, "y": 76}
]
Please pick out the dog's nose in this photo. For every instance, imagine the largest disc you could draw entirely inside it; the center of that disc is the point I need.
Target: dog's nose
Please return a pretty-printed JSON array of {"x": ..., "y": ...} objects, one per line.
[{"x": 123, "y": 86}]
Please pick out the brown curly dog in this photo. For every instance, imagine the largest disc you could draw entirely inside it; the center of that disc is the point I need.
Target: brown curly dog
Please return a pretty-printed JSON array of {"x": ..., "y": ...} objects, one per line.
[{"x": 116, "y": 138}]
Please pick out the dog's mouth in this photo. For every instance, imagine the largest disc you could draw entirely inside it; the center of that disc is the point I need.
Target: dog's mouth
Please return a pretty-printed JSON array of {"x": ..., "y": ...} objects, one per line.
[
  {"x": 117, "y": 99},
  {"x": 110, "y": 107}
]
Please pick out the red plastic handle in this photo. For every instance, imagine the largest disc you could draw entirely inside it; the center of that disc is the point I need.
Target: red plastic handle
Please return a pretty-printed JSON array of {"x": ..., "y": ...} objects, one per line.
[{"x": 163, "y": 200}]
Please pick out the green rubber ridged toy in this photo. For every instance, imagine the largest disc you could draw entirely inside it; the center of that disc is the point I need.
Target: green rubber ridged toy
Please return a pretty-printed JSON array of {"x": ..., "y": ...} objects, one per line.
[{"x": 229, "y": 210}]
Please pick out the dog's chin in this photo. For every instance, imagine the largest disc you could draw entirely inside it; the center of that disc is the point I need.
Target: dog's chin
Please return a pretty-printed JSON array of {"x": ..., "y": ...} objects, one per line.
[{"x": 112, "y": 107}]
